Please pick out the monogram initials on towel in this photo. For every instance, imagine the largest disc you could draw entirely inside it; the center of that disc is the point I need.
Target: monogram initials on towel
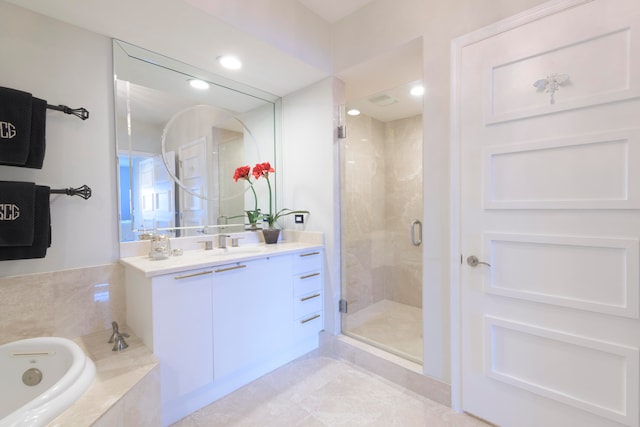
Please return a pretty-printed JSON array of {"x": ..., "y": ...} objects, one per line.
[
  {"x": 9, "y": 212},
  {"x": 7, "y": 130}
]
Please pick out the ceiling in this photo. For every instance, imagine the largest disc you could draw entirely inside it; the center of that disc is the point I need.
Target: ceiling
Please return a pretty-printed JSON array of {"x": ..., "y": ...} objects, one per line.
[{"x": 334, "y": 10}]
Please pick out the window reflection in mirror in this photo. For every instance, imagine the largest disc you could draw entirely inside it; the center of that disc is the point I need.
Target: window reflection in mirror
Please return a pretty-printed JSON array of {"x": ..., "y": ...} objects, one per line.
[{"x": 178, "y": 147}]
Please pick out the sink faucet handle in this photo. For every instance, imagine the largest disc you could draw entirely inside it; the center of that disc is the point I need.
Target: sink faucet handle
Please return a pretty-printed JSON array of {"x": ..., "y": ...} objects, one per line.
[
  {"x": 234, "y": 241},
  {"x": 208, "y": 244}
]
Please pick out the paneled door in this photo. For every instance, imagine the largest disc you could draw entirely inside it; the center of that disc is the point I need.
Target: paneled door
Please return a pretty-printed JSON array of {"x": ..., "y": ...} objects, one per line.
[
  {"x": 192, "y": 166},
  {"x": 549, "y": 137}
]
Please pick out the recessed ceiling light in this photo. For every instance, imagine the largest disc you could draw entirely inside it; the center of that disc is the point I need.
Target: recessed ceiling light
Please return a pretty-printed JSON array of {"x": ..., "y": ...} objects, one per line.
[
  {"x": 417, "y": 90},
  {"x": 230, "y": 62},
  {"x": 353, "y": 112},
  {"x": 199, "y": 84}
]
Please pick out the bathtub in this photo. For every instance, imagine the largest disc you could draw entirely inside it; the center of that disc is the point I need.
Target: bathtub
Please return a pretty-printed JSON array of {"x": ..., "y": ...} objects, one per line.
[{"x": 41, "y": 377}]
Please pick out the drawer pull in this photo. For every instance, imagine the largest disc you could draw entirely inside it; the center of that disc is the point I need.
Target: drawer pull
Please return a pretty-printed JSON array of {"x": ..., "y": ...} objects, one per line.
[
  {"x": 309, "y": 297},
  {"x": 235, "y": 267},
  {"x": 309, "y": 275},
  {"x": 200, "y": 273},
  {"x": 310, "y": 254},
  {"x": 310, "y": 319}
]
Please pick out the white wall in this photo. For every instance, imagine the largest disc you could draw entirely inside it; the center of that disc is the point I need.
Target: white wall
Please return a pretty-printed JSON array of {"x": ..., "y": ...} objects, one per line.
[{"x": 65, "y": 65}]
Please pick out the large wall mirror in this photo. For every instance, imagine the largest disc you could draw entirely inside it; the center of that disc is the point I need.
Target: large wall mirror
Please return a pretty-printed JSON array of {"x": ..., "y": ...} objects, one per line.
[{"x": 178, "y": 146}]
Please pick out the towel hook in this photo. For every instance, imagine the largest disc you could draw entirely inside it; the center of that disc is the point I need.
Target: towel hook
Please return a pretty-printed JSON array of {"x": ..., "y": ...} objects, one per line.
[
  {"x": 84, "y": 191},
  {"x": 81, "y": 113}
]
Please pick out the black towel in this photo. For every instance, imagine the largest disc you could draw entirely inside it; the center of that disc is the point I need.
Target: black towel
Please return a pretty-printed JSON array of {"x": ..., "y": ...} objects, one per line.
[
  {"x": 15, "y": 126},
  {"x": 37, "y": 140},
  {"x": 17, "y": 213},
  {"x": 41, "y": 230}
]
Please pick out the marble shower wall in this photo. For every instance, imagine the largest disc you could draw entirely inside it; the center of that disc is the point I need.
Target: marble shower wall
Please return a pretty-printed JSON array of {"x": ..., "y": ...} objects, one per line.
[{"x": 381, "y": 195}]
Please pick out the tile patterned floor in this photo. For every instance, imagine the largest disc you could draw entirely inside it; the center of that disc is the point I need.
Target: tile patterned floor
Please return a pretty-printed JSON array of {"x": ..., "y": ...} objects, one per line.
[
  {"x": 391, "y": 326},
  {"x": 322, "y": 391}
]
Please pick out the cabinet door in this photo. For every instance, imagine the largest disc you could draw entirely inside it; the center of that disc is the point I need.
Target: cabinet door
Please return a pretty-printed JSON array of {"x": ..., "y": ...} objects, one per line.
[
  {"x": 252, "y": 311},
  {"x": 182, "y": 331}
]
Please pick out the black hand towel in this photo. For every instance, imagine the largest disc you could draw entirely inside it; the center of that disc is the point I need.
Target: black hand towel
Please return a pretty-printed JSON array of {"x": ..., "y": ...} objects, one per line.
[
  {"x": 17, "y": 213},
  {"x": 15, "y": 126},
  {"x": 38, "y": 126},
  {"x": 41, "y": 230}
]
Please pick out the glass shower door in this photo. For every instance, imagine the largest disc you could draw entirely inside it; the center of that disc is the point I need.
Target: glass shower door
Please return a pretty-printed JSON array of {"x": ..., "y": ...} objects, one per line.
[{"x": 381, "y": 214}]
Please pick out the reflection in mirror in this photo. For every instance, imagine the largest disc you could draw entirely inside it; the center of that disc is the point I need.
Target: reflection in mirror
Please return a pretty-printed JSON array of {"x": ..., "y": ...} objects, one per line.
[{"x": 178, "y": 146}]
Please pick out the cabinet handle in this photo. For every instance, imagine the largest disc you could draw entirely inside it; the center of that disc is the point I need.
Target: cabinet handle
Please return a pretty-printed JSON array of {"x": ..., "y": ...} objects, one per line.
[
  {"x": 235, "y": 267},
  {"x": 310, "y": 319},
  {"x": 309, "y": 297},
  {"x": 309, "y": 275},
  {"x": 200, "y": 273},
  {"x": 310, "y": 254}
]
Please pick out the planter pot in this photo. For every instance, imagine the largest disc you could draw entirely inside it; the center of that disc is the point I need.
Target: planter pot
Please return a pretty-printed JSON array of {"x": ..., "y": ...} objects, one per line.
[{"x": 271, "y": 235}]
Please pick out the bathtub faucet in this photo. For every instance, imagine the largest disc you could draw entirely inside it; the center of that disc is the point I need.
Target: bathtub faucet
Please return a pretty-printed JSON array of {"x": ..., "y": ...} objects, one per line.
[{"x": 117, "y": 338}]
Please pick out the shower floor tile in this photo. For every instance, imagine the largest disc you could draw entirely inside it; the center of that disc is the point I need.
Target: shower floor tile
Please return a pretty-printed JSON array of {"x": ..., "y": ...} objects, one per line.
[
  {"x": 391, "y": 326},
  {"x": 322, "y": 391}
]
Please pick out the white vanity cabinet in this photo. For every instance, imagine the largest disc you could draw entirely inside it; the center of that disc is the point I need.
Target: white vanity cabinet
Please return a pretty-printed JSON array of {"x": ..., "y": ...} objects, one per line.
[
  {"x": 252, "y": 311},
  {"x": 172, "y": 314},
  {"x": 218, "y": 322},
  {"x": 308, "y": 295}
]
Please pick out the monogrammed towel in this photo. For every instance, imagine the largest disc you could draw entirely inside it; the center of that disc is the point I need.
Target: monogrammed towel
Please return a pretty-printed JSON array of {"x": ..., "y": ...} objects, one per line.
[
  {"x": 37, "y": 139},
  {"x": 17, "y": 213},
  {"x": 15, "y": 126},
  {"x": 41, "y": 230}
]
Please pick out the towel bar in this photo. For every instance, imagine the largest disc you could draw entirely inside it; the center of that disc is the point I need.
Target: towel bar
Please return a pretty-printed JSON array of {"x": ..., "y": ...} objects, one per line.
[
  {"x": 84, "y": 191},
  {"x": 78, "y": 112}
]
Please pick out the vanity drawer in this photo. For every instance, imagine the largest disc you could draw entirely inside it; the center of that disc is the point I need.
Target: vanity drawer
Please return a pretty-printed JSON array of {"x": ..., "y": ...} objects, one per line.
[
  {"x": 307, "y": 261},
  {"x": 308, "y": 325},
  {"x": 306, "y": 304},
  {"x": 307, "y": 283}
]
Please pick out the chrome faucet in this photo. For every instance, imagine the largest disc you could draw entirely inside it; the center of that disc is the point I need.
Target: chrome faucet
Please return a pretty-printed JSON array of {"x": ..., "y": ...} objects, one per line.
[
  {"x": 222, "y": 241},
  {"x": 208, "y": 244},
  {"x": 117, "y": 338}
]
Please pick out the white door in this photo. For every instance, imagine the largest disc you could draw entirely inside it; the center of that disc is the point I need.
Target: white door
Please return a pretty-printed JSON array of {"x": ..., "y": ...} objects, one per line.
[
  {"x": 192, "y": 161},
  {"x": 549, "y": 134}
]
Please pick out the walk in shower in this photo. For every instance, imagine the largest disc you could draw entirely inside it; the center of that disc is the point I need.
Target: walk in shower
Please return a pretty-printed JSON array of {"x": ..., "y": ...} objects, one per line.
[{"x": 381, "y": 214}]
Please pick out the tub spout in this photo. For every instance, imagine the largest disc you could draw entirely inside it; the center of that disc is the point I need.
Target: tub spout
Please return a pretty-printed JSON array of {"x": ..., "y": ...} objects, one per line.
[
  {"x": 120, "y": 344},
  {"x": 117, "y": 338}
]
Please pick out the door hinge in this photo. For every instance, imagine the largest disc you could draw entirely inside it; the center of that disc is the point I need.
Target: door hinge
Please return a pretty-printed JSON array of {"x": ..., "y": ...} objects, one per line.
[{"x": 342, "y": 306}]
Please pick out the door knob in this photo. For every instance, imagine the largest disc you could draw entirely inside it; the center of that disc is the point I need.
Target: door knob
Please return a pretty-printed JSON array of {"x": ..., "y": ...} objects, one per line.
[{"x": 473, "y": 261}]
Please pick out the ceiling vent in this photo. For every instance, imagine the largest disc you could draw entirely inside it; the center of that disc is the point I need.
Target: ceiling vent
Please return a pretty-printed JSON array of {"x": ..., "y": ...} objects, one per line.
[{"x": 383, "y": 100}]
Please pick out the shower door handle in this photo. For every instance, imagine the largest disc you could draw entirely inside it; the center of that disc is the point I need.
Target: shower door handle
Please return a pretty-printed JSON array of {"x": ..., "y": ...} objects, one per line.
[{"x": 416, "y": 241}]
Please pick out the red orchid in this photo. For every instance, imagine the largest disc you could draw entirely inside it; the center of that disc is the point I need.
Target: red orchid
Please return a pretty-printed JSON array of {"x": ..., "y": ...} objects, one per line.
[
  {"x": 262, "y": 169},
  {"x": 242, "y": 172}
]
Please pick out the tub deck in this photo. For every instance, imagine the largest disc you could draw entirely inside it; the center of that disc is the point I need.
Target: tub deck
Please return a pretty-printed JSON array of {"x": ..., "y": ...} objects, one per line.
[{"x": 126, "y": 390}]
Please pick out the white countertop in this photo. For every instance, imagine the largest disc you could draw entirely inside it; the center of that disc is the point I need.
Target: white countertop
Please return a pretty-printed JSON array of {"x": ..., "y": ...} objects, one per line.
[{"x": 201, "y": 258}]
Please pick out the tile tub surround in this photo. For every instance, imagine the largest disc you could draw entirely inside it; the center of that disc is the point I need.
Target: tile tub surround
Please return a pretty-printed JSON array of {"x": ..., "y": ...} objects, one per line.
[
  {"x": 67, "y": 303},
  {"x": 126, "y": 390}
]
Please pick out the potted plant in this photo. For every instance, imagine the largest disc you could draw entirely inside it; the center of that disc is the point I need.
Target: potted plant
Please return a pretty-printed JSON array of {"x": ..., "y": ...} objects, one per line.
[{"x": 262, "y": 170}]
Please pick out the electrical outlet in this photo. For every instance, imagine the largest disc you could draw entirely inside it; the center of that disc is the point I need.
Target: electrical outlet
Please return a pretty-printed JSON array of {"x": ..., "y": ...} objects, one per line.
[{"x": 298, "y": 218}]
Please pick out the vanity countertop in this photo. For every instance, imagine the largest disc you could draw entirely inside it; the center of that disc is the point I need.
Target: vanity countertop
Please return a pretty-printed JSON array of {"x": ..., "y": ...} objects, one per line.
[{"x": 201, "y": 258}]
